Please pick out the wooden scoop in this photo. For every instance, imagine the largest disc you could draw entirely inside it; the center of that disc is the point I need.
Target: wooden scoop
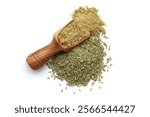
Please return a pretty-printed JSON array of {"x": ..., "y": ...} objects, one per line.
[{"x": 38, "y": 58}]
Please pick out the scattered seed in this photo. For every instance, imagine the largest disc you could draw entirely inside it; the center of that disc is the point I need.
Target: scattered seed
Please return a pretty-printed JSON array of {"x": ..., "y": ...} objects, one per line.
[
  {"x": 105, "y": 37},
  {"x": 99, "y": 80},
  {"x": 92, "y": 84},
  {"x": 109, "y": 48}
]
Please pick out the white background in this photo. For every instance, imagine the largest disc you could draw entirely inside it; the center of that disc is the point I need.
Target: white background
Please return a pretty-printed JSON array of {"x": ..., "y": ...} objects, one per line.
[{"x": 27, "y": 25}]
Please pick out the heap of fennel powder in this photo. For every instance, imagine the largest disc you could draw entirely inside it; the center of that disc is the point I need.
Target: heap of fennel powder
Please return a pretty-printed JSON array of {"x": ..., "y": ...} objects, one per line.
[
  {"x": 84, "y": 20},
  {"x": 82, "y": 64}
]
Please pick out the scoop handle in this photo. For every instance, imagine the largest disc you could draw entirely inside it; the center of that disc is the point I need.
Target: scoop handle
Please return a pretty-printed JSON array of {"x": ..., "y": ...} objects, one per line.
[{"x": 38, "y": 58}]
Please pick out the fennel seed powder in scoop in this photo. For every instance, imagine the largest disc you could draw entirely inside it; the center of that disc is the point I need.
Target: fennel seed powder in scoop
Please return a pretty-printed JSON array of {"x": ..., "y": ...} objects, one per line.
[{"x": 85, "y": 20}]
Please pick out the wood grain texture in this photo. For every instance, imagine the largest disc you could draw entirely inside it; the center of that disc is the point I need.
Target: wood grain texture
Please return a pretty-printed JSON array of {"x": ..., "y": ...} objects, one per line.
[{"x": 38, "y": 58}]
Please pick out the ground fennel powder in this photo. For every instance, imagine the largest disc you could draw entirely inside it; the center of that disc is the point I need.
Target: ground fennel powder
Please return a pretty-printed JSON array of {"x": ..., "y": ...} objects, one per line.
[
  {"x": 84, "y": 20},
  {"x": 85, "y": 62}
]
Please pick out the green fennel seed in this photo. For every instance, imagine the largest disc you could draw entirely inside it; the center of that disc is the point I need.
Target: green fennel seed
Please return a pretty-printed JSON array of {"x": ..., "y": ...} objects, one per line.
[{"x": 83, "y": 63}]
